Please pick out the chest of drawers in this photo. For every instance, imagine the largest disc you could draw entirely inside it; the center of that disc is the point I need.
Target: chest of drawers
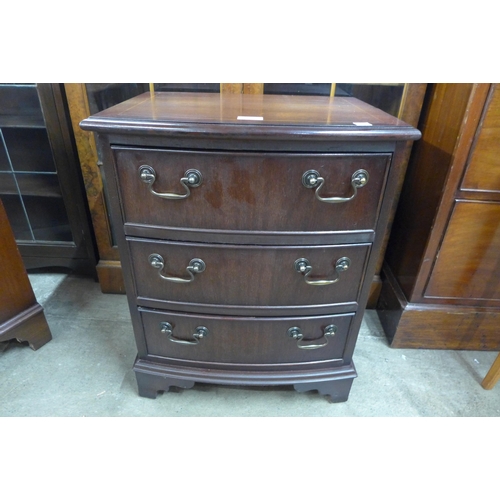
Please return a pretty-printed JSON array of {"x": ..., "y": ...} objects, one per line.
[{"x": 249, "y": 228}]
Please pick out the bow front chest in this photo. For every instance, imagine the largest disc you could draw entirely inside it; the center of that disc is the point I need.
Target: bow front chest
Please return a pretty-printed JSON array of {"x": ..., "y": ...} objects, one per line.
[{"x": 249, "y": 228}]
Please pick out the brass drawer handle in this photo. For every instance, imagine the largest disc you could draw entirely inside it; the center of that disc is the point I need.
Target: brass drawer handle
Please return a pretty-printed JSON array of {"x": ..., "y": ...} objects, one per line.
[
  {"x": 311, "y": 179},
  {"x": 304, "y": 267},
  {"x": 296, "y": 333},
  {"x": 200, "y": 333},
  {"x": 195, "y": 266},
  {"x": 192, "y": 178}
]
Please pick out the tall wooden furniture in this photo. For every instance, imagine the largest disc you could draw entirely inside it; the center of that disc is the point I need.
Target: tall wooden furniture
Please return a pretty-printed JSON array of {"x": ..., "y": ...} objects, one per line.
[
  {"x": 403, "y": 100},
  {"x": 249, "y": 228},
  {"x": 21, "y": 316},
  {"x": 108, "y": 267},
  {"x": 442, "y": 270},
  {"x": 40, "y": 179}
]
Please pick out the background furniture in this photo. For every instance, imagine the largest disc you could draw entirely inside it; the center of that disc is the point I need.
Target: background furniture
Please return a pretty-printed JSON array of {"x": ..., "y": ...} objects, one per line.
[
  {"x": 442, "y": 267},
  {"x": 401, "y": 100},
  {"x": 81, "y": 98},
  {"x": 41, "y": 183},
  {"x": 21, "y": 316},
  {"x": 249, "y": 245}
]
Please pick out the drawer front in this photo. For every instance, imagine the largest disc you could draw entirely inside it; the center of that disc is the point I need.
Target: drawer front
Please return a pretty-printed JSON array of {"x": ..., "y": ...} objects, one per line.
[
  {"x": 250, "y": 191},
  {"x": 246, "y": 275},
  {"x": 242, "y": 340}
]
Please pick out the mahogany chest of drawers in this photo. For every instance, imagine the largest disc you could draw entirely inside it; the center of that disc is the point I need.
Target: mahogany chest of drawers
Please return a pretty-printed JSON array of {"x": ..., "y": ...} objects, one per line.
[{"x": 249, "y": 228}]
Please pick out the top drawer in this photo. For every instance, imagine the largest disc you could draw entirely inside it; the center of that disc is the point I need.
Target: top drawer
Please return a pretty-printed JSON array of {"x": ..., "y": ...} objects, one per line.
[{"x": 250, "y": 192}]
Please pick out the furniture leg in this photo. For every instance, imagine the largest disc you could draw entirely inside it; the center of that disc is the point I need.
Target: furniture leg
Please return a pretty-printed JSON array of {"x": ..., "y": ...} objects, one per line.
[
  {"x": 337, "y": 391},
  {"x": 149, "y": 385},
  {"x": 493, "y": 375}
]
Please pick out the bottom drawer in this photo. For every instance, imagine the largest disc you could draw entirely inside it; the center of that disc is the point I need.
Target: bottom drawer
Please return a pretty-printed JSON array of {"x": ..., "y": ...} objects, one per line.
[{"x": 243, "y": 340}]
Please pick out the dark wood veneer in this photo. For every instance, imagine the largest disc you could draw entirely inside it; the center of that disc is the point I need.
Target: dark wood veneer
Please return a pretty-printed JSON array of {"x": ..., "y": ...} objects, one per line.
[
  {"x": 284, "y": 117},
  {"x": 251, "y": 343},
  {"x": 251, "y": 191},
  {"x": 248, "y": 275}
]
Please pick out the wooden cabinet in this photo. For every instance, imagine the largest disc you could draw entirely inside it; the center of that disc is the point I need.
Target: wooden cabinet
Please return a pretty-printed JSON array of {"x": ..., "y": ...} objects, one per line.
[
  {"x": 249, "y": 229},
  {"x": 442, "y": 269},
  {"x": 41, "y": 184},
  {"x": 21, "y": 316}
]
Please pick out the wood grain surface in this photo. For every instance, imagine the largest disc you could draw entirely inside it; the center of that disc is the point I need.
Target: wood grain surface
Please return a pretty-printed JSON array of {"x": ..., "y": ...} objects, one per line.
[{"x": 251, "y": 191}]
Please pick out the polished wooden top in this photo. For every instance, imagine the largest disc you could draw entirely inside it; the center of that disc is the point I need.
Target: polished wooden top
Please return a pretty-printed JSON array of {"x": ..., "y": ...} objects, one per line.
[{"x": 250, "y": 114}]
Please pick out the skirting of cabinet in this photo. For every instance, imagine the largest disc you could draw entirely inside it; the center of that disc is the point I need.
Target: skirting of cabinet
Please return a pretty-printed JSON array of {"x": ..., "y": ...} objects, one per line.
[
  {"x": 421, "y": 326},
  {"x": 333, "y": 383},
  {"x": 41, "y": 256}
]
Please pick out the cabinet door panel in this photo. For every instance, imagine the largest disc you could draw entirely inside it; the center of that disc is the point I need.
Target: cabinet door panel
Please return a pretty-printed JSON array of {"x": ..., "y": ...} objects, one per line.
[
  {"x": 483, "y": 171},
  {"x": 468, "y": 263}
]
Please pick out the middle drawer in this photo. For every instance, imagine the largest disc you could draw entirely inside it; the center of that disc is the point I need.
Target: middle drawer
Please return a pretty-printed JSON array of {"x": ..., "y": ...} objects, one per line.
[{"x": 247, "y": 275}]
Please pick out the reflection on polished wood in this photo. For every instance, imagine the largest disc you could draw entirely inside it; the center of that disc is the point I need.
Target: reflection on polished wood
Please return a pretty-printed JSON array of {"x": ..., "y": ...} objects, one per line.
[
  {"x": 198, "y": 111},
  {"x": 231, "y": 88},
  {"x": 253, "y": 88}
]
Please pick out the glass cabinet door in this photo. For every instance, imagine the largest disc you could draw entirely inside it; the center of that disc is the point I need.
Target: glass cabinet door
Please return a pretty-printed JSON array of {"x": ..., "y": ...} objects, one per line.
[
  {"x": 385, "y": 96},
  {"x": 29, "y": 186},
  {"x": 41, "y": 183}
]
